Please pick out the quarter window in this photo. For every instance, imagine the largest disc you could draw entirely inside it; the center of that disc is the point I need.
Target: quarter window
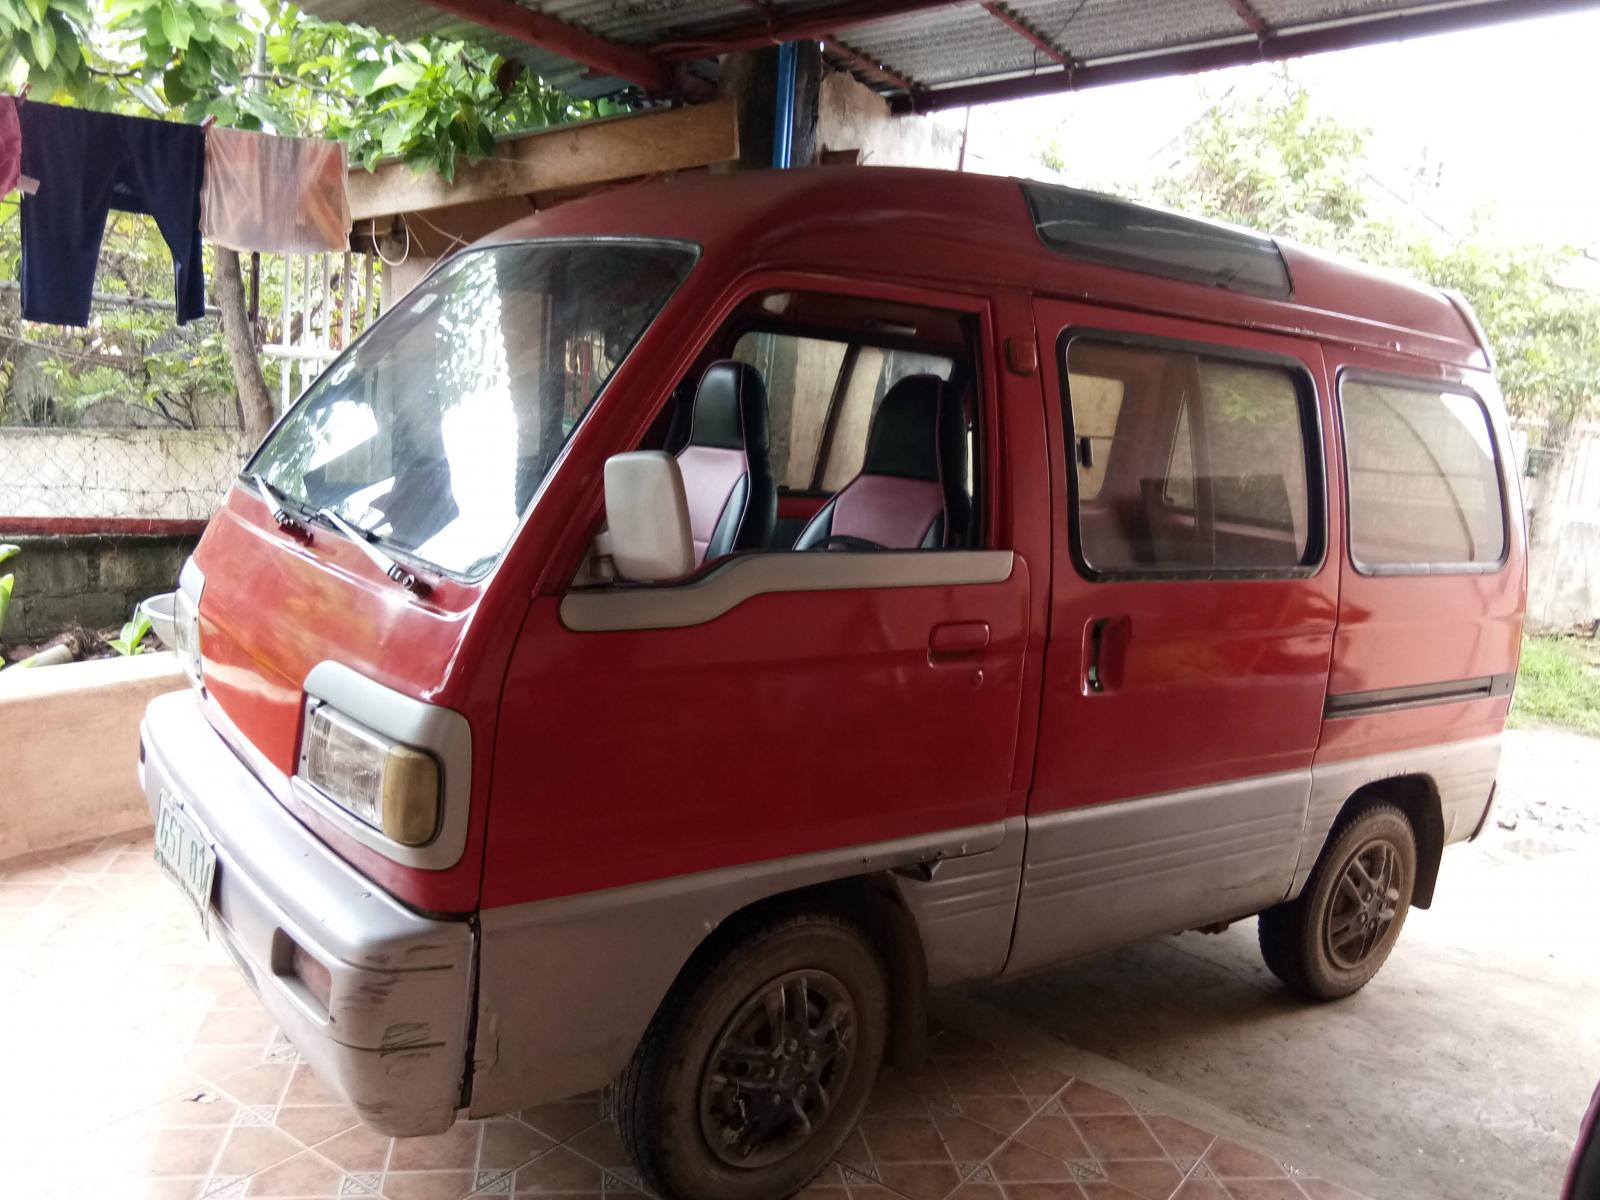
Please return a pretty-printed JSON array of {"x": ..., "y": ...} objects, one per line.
[
  {"x": 1424, "y": 485},
  {"x": 1187, "y": 462}
]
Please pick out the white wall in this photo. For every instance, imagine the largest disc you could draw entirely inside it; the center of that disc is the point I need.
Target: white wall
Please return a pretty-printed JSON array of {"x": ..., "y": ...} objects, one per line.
[
  {"x": 1564, "y": 554},
  {"x": 178, "y": 474},
  {"x": 851, "y": 116}
]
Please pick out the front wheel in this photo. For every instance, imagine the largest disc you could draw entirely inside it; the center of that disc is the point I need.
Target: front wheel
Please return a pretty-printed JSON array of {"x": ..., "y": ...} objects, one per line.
[
  {"x": 1332, "y": 939},
  {"x": 755, "y": 1070}
]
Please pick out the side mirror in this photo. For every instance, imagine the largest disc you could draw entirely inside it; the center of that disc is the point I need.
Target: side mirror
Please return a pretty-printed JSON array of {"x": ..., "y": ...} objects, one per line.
[{"x": 647, "y": 513}]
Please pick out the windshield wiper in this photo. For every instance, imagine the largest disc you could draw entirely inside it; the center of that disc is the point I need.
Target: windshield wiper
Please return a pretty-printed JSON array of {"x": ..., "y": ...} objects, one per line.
[
  {"x": 382, "y": 561},
  {"x": 278, "y": 502}
]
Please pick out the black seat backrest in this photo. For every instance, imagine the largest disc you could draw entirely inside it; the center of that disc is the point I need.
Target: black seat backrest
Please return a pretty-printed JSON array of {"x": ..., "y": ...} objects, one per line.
[
  {"x": 911, "y": 491},
  {"x": 727, "y": 472}
]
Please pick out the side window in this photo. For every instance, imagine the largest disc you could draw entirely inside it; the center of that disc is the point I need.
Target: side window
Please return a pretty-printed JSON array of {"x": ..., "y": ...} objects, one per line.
[
  {"x": 1096, "y": 401},
  {"x": 871, "y": 414},
  {"x": 1187, "y": 462},
  {"x": 801, "y": 374},
  {"x": 1424, "y": 486},
  {"x": 821, "y": 397}
]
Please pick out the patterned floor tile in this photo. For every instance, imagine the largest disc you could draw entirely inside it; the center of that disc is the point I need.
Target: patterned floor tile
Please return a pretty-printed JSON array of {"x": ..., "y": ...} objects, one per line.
[
  {"x": 1229, "y": 1160},
  {"x": 197, "y": 1096}
]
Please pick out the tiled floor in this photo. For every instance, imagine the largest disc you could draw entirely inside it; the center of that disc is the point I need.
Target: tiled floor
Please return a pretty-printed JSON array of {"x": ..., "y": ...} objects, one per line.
[{"x": 139, "y": 1065}]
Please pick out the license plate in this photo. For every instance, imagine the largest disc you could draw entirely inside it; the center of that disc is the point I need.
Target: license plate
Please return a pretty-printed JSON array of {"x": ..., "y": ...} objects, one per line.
[{"x": 185, "y": 854}]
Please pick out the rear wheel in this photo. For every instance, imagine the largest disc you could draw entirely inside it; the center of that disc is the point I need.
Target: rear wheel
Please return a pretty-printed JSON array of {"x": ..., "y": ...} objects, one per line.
[
  {"x": 754, "y": 1071},
  {"x": 1331, "y": 940}
]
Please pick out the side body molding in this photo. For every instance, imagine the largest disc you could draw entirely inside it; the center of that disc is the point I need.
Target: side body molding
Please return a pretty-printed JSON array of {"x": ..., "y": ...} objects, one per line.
[
  {"x": 566, "y": 987},
  {"x": 726, "y": 585}
]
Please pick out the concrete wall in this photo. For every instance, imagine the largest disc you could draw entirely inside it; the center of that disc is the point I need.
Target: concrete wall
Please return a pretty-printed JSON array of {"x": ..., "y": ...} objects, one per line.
[
  {"x": 71, "y": 738},
  {"x": 1564, "y": 519},
  {"x": 163, "y": 474},
  {"x": 851, "y": 116},
  {"x": 87, "y": 580},
  {"x": 1564, "y": 575}
]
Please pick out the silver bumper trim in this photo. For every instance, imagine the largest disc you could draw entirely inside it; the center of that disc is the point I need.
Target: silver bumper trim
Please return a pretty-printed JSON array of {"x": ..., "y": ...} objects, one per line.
[{"x": 393, "y": 1038}]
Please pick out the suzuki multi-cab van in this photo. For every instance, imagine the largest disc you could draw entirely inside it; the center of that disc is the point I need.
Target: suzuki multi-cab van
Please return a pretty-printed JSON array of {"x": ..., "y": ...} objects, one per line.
[{"x": 702, "y": 617}]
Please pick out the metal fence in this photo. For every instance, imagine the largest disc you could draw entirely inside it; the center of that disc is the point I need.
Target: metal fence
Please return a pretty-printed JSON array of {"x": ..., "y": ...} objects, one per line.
[{"x": 326, "y": 300}]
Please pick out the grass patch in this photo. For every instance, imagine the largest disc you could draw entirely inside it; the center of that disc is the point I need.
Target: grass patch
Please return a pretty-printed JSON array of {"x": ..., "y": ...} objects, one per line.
[{"x": 1559, "y": 684}]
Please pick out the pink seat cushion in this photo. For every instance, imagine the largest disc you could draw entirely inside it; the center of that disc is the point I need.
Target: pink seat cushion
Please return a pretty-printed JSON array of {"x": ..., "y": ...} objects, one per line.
[
  {"x": 709, "y": 476},
  {"x": 889, "y": 510}
]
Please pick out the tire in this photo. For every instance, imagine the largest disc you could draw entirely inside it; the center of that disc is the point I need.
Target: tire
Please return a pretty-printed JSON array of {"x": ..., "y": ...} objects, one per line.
[
  {"x": 694, "y": 1127},
  {"x": 1331, "y": 939}
]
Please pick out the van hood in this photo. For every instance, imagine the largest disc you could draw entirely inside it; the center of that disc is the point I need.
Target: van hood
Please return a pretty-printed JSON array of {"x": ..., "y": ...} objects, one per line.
[{"x": 272, "y": 607}]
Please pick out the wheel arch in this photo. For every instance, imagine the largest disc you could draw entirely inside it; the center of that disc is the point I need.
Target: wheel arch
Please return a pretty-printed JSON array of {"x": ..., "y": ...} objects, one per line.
[
  {"x": 872, "y": 903},
  {"x": 1416, "y": 795}
]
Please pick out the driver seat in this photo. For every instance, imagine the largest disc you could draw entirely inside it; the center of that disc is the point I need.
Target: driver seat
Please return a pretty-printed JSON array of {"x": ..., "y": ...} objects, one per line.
[
  {"x": 911, "y": 491},
  {"x": 727, "y": 471}
]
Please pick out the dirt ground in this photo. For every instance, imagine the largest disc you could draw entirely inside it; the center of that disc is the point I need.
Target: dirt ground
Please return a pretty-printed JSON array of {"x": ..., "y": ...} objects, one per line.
[{"x": 1461, "y": 1071}]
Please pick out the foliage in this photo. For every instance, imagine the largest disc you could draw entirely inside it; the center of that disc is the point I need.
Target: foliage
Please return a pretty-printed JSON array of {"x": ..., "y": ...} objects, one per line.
[
  {"x": 1274, "y": 162},
  {"x": 256, "y": 65},
  {"x": 132, "y": 358},
  {"x": 7, "y": 582},
  {"x": 1546, "y": 337},
  {"x": 130, "y": 640},
  {"x": 270, "y": 66},
  {"x": 1559, "y": 684}
]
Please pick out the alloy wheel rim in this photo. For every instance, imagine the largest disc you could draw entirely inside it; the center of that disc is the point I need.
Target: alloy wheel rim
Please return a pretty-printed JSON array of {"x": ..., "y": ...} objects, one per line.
[
  {"x": 777, "y": 1069},
  {"x": 1365, "y": 903}
]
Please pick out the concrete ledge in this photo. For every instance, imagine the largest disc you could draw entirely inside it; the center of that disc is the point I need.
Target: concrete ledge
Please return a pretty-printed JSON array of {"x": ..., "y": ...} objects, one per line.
[{"x": 69, "y": 768}]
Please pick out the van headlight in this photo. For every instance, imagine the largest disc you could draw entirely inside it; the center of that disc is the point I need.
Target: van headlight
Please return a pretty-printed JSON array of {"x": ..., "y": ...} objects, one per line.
[
  {"x": 186, "y": 628},
  {"x": 389, "y": 786}
]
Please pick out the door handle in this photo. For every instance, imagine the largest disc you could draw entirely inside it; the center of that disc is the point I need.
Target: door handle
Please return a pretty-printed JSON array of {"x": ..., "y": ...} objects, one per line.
[
  {"x": 958, "y": 638},
  {"x": 1105, "y": 643}
]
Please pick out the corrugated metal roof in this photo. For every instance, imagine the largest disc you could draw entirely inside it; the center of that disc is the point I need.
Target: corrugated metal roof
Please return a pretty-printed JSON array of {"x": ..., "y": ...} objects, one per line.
[{"x": 948, "y": 43}]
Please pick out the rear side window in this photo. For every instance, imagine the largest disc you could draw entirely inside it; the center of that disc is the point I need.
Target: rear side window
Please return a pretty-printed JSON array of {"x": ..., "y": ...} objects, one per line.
[
  {"x": 1424, "y": 486},
  {"x": 1189, "y": 462}
]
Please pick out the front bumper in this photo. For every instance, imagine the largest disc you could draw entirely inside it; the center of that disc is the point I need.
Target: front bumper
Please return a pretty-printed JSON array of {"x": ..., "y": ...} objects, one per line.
[{"x": 393, "y": 1037}]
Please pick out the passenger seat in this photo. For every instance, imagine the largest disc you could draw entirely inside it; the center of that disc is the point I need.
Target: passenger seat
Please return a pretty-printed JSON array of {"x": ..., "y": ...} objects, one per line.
[
  {"x": 727, "y": 473},
  {"x": 911, "y": 491}
]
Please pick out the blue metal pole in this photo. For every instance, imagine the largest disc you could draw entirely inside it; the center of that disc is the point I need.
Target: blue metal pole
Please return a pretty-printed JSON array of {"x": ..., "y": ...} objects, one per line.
[{"x": 783, "y": 123}]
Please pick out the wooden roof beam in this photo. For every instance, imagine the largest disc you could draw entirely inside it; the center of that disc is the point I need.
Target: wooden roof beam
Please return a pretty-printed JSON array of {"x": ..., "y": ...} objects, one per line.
[{"x": 580, "y": 155}]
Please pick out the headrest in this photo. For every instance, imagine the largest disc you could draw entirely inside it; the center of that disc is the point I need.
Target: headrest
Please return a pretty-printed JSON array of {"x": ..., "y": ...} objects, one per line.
[
  {"x": 906, "y": 429},
  {"x": 730, "y": 409}
]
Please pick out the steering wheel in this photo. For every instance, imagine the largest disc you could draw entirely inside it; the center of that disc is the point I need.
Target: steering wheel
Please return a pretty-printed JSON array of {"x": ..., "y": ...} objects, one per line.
[{"x": 843, "y": 541}]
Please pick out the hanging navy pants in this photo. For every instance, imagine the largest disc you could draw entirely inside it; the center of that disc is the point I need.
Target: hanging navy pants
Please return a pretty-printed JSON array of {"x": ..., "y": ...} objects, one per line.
[{"x": 88, "y": 163}]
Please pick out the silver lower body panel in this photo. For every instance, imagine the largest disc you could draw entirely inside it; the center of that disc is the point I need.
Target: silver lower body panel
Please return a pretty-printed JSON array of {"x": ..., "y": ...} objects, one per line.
[{"x": 393, "y": 1035}]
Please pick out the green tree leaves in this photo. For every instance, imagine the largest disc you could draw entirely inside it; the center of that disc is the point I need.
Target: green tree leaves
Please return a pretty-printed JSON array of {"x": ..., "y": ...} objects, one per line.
[
  {"x": 1275, "y": 163},
  {"x": 430, "y": 102}
]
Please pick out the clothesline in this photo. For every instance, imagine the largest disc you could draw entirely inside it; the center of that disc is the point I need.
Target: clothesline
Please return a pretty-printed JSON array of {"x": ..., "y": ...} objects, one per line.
[{"x": 239, "y": 189}]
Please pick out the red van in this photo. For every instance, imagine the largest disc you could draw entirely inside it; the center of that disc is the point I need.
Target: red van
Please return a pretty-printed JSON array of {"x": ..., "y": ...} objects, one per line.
[{"x": 704, "y": 616}]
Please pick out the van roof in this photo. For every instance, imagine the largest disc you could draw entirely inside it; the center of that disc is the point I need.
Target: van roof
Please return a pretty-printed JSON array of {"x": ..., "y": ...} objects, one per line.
[{"x": 948, "y": 226}]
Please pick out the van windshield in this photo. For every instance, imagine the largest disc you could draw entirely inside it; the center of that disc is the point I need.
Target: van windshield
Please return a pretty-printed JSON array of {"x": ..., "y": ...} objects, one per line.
[{"x": 433, "y": 431}]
